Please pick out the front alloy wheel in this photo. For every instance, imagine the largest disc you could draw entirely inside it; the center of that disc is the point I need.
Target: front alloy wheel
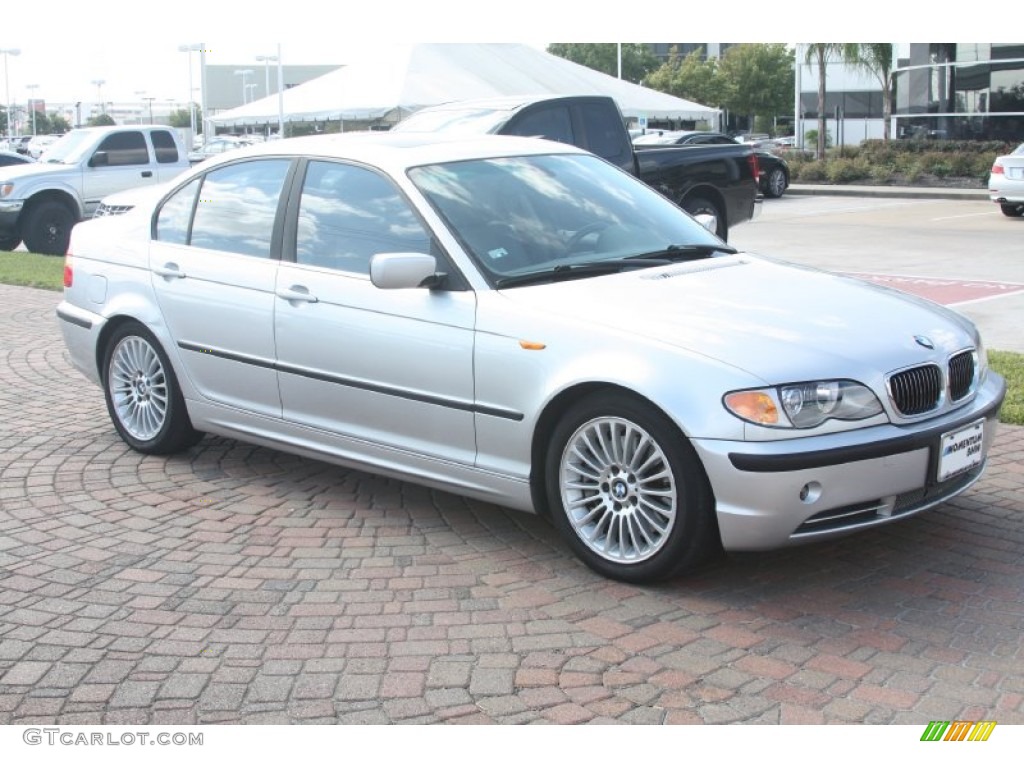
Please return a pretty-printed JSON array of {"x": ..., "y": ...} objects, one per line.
[{"x": 628, "y": 492}]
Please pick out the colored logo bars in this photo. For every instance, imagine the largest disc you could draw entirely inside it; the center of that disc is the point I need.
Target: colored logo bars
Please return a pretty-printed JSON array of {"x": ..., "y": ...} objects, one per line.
[{"x": 958, "y": 730}]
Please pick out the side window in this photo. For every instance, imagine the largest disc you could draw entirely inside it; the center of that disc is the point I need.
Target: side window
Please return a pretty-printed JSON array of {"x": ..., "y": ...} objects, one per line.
[
  {"x": 125, "y": 148},
  {"x": 606, "y": 134},
  {"x": 175, "y": 214},
  {"x": 348, "y": 213},
  {"x": 165, "y": 146},
  {"x": 237, "y": 207},
  {"x": 551, "y": 123}
]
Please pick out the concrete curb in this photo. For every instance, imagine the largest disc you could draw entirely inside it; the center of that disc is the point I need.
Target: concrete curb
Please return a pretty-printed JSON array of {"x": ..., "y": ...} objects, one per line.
[{"x": 924, "y": 193}]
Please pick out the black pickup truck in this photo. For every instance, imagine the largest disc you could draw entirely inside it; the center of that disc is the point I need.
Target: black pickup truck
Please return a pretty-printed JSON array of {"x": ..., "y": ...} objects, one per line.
[{"x": 716, "y": 180}]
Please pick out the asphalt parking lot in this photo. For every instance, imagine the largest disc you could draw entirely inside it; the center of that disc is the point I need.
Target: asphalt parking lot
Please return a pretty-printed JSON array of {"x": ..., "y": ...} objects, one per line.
[{"x": 234, "y": 584}]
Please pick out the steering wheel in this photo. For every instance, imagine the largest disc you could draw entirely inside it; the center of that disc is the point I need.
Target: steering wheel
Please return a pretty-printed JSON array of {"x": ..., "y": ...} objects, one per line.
[{"x": 587, "y": 229}]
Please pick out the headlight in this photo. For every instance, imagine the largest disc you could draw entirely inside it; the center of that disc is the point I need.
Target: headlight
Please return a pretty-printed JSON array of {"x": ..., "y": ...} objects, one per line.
[
  {"x": 804, "y": 405},
  {"x": 6, "y": 188}
]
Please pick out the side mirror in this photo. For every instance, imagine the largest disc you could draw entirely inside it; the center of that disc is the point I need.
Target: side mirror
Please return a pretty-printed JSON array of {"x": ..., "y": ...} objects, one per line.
[
  {"x": 404, "y": 270},
  {"x": 99, "y": 160}
]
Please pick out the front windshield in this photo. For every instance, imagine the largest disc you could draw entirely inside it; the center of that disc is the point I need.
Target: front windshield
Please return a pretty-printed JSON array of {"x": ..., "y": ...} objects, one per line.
[
  {"x": 68, "y": 149},
  {"x": 518, "y": 216}
]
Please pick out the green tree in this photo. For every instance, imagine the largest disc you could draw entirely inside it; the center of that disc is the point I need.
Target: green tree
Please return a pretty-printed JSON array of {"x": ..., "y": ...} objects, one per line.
[
  {"x": 690, "y": 77},
  {"x": 757, "y": 79},
  {"x": 819, "y": 54},
  {"x": 182, "y": 118},
  {"x": 103, "y": 119},
  {"x": 637, "y": 58},
  {"x": 58, "y": 123},
  {"x": 876, "y": 59}
]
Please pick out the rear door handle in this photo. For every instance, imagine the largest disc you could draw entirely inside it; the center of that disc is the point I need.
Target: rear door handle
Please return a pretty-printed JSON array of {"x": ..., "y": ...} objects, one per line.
[
  {"x": 297, "y": 293},
  {"x": 169, "y": 270}
]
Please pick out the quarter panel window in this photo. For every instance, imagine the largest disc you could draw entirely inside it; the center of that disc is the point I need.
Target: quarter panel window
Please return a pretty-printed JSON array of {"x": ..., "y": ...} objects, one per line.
[
  {"x": 165, "y": 147},
  {"x": 175, "y": 214},
  {"x": 348, "y": 213},
  {"x": 237, "y": 207}
]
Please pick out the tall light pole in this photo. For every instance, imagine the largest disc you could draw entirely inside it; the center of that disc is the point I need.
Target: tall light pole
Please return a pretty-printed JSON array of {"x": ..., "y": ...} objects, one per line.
[
  {"x": 280, "y": 94},
  {"x": 7, "y": 87},
  {"x": 266, "y": 71},
  {"x": 188, "y": 48},
  {"x": 32, "y": 104},
  {"x": 245, "y": 81},
  {"x": 99, "y": 91}
]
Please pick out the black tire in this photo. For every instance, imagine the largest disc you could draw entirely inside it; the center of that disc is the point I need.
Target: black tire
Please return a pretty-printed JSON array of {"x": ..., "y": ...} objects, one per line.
[
  {"x": 642, "y": 515},
  {"x": 9, "y": 243},
  {"x": 47, "y": 228},
  {"x": 701, "y": 205},
  {"x": 142, "y": 393},
  {"x": 1014, "y": 210},
  {"x": 775, "y": 184}
]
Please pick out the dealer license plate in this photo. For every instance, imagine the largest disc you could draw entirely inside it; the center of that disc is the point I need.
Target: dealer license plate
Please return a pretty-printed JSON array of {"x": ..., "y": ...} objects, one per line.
[{"x": 961, "y": 450}]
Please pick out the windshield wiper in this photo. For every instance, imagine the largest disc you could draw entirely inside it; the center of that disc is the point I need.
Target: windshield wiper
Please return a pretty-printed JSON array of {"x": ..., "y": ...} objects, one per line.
[
  {"x": 674, "y": 253},
  {"x": 571, "y": 271}
]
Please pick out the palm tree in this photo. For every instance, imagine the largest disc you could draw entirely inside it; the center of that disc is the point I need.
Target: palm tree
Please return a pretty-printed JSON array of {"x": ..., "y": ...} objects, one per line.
[
  {"x": 877, "y": 59},
  {"x": 819, "y": 53}
]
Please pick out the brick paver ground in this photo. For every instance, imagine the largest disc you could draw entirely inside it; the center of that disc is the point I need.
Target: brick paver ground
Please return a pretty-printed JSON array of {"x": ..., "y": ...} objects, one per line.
[{"x": 236, "y": 584}]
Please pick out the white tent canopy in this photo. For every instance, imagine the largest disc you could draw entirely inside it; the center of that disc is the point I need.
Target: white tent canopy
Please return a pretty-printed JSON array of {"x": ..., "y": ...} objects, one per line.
[{"x": 400, "y": 81}]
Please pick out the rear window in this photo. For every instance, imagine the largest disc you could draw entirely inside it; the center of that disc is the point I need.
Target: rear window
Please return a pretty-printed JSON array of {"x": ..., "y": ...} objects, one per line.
[{"x": 165, "y": 146}]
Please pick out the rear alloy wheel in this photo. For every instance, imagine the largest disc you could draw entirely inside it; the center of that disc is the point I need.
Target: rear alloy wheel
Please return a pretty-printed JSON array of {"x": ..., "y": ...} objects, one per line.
[
  {"x": 142, "y": 393},
  {"x": 775, "y": 184},
  {"x": 47, "y": 228},
  {"x": 701, "y": 206},
  {"x": 628, "y": 492},
  {"x": 1014, "y": 210}
]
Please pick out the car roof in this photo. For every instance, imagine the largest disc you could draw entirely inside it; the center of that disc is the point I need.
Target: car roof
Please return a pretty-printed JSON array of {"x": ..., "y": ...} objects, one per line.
[{"x": 401, "y": 149}]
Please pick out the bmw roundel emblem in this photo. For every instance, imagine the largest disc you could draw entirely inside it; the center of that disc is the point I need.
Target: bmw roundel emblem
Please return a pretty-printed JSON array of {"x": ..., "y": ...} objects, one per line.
[{"x": 925, "y": 342}]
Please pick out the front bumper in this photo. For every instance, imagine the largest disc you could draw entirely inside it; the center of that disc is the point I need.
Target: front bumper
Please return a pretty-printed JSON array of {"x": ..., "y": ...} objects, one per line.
[
  {"x": 10, "y": 212},
  {"x": 774, "y": 494}
]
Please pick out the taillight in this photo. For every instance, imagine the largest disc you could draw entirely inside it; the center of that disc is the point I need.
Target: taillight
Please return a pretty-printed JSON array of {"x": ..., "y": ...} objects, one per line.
[
  {"x": 997, "y": 168},
  {"x": 755, "y": 167},
  {"x": 69, "y": 275}
]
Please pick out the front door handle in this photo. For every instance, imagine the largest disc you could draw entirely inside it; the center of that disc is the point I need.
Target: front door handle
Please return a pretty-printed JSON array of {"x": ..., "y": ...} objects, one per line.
[
  {"x": 147, "y": 174},
  {"x": 297, "y": 293},
  {"x": 169, "y": 270}
]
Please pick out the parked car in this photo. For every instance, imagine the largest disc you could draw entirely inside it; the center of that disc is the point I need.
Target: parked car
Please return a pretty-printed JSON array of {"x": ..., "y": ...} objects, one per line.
[
  {"x": 13, "y": 158},
  {"x": 1006, "y": 183},
  {"x": 519, "y": 321},
  {"x": 215, "y": 147},
  {"x": 41, "y": 202},
  {"x": 39, "y": 144},
  {"x": 774, "y": 170}
]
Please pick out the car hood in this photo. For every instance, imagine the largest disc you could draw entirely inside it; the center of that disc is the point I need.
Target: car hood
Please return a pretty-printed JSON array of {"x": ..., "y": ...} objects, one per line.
[
  {"x": 779, "y": 322},
  {"x": 15, "y": 172}
]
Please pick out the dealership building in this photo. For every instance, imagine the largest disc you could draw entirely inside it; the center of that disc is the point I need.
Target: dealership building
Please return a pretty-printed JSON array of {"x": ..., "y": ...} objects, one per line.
[{"x": 942, "y": 91}]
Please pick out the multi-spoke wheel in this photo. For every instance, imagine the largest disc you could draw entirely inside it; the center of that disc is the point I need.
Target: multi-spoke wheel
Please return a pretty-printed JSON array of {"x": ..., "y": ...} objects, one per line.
[
  {"x": 628, "y": 492},
  {"x": 142, "y": 393},
  {"x": 775, "y": 185}
]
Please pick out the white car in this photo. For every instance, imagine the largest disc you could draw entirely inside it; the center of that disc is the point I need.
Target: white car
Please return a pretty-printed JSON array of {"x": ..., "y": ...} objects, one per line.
[
  {"x": 1006, "y": 183},
  {"x": 39, "y": 144},
  {"x": 519, "y": 321}
]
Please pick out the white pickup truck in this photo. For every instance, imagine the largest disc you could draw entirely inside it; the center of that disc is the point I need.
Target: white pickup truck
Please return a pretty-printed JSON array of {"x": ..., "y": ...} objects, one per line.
[{"x": 40, "y": 202}]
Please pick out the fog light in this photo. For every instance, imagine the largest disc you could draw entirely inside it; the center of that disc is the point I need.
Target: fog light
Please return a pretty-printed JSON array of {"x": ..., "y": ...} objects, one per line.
[{"x": 810, "y": 493}]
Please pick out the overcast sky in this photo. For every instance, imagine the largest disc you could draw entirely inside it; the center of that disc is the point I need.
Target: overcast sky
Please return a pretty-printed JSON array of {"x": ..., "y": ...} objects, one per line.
[{"x": 133, "y": 45}]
